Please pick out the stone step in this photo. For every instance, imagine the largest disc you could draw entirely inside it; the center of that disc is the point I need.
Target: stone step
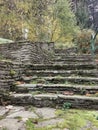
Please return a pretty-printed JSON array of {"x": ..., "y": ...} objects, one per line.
[
  {"x": 55, "y": 100},
  {"x": 72, "y": 62},
  {"x": 39, "y": 73},
  {"x": 66, "y": 51},
  {"x": 80, "y": 80},
  {"x": 73, "y": 88},
  {"x": 73, "y": 57},
  {"x": 60, "y": 80},
  {"x": 61, "y": 66}
]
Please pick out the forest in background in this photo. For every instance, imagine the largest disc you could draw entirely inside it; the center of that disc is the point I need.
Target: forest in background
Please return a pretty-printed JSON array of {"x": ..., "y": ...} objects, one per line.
[{"x": 45, "y": 20}]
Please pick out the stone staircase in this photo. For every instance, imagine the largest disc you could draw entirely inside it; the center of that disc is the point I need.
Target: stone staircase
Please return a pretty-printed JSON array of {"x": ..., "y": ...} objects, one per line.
[{"x": 69, "y": 79}]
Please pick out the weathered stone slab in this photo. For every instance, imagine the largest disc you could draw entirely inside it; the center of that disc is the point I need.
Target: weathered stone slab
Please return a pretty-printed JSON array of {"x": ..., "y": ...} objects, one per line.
[
  {"x": 12, "y": 124},
  {"x": 50, "y": 122},
  {"x": 76, "y": 89},
  {"x": 3, "y": 111},
  {"x": 39, "y": 73},
  {"x": 22, "y": 114},
  {"x": 46, "y": 113}
]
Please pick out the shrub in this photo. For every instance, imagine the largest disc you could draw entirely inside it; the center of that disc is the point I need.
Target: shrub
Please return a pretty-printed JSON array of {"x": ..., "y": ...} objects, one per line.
[
  {"x": 67, "y": 105},
  {"x": 82, "y": 41}
]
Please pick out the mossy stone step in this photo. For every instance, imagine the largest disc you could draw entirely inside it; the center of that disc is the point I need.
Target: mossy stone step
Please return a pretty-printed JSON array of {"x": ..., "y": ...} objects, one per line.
[
  {"x": 74, "y": 55},
  {"x": 61, "y": 66},
  {"x": 60, "y": 80},
  {"x": 55, "y": 100},
  {"x": 76, "y": 89},
  {"x": 63, "y": 73},
  {"x": 71, "y": 62},
  {"x": 74, "y": 79},
  {"x": 73, "y": 58}
]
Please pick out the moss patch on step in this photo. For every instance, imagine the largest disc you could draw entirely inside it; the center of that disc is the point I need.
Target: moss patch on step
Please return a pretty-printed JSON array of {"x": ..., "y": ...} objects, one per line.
[{"x": 72, "y": 120}]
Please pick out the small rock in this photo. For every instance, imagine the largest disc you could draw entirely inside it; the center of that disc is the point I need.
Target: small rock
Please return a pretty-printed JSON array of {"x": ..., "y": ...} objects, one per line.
[{"x": 10, "y": 107}]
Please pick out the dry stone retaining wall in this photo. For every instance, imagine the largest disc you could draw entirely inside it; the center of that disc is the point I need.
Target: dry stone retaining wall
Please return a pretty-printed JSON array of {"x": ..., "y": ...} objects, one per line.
[
  {"x": 5, "y": 75},
  {"x": 21, "y": 54},
  {"x": 56, "y": 101},
  {"x": 27, "y": 52}
]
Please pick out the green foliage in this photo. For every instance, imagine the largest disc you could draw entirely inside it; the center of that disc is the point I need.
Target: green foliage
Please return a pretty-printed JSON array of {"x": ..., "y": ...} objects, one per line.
[
  {"x": 4, "y": 128},
  {"x": 66, "y": 21},
  {"x": 82, "y": 14},
  {"x": 77, "y": 119},
  {"x": 12, "y": 72},
  {"x": 65, "y": 16},
  {"x": 72, "y": 119},
  {"x": 45, "y": 20},
  {"x": 67, "y": 105},
  {"x": 10, "y": 22},
  {"x": 29, "y": 125},
  {"x": 82, "y": 41},
  {"x": 97, "y": 117}
]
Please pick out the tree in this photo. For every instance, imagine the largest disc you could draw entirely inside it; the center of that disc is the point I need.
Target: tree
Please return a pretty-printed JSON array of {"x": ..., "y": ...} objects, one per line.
[
  {"x": 65, "y": 17},
  {"x": 50, "y": 20},
  {"x": 82, "y": 14},
  {"x": 9, "y": 21},
  {"x": 46, "y": 20}
]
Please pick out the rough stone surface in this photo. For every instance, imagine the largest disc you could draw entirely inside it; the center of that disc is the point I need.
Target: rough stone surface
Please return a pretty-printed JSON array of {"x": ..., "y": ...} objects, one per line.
[
  {"x": 21, "y": 54},
  {"x": 62, "y": 88},
  {"x": 89, "y": 125},
  {"x": 50, "y": 122},
  {"x": 6, "y": 79},
  {"x": 55, "y": 100},
  {"x": 27, "y": 52},
  {"x": 22, "y": 114},
  {"x": 12, "y": 124},
  {"x": 16, "y": 117},
  {"x": 46, "y": 113},
  {"x": 3, "y": 111}
]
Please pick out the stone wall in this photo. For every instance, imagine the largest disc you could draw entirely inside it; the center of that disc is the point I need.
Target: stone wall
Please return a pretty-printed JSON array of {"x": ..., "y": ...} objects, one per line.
[
  {"x": 20, "y": 54},
  {"x": 54, "y": 101},
  {"x": 68, "y": 51},
  {"x": 27, "y": 52},
  {"x": 7, "y": 74}
]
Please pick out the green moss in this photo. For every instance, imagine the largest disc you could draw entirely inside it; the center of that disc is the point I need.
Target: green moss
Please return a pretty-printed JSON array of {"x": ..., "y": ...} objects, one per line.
[
  {"x": 12, "y": 72},
  {"x": 33, "y": 82},
  {"x": 76, "y": 119},
  {"x": 4, "y": 128},
  {"x": 19, "y": 118},
  {"x": 1, "y": 117},
  {"x": 30, "y": 125},
  {"x": 73, "y": 120}
]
